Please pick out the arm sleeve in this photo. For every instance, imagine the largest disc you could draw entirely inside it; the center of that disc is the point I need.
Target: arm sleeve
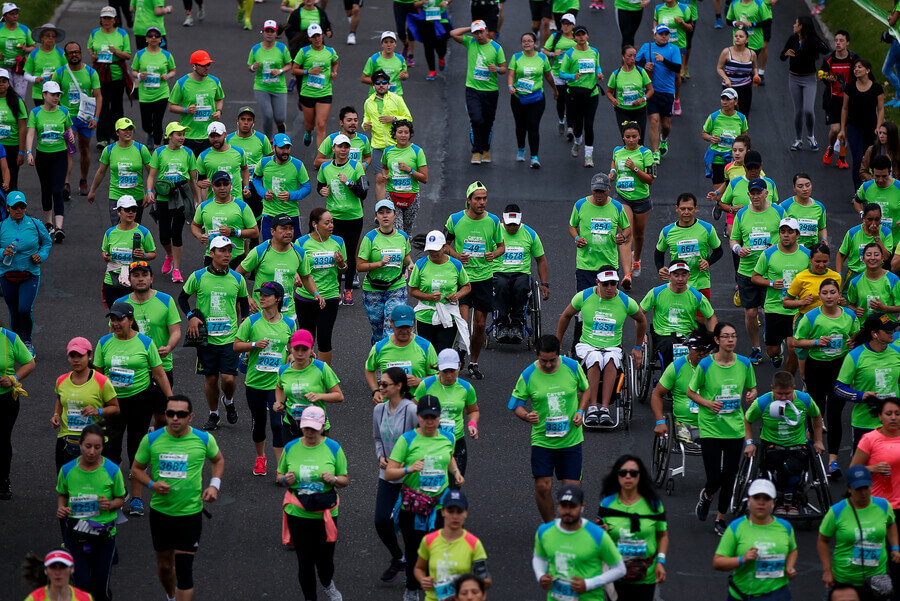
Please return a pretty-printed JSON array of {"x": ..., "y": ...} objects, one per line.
[
  {"x": 611, "y": 575},
  {"x": 715, "y": 255},
  {"x": 184, "y": 302},
  {"x": 258, "y": 184},
  {"x": 303, "y": 192},
  {"x": 360, "y": 187},
  {"x": 540, "y": 566},
  {"x": 844, "y": 392},
  {"x": 671, "y": 66},
  {"x": 659, "y": 258}
]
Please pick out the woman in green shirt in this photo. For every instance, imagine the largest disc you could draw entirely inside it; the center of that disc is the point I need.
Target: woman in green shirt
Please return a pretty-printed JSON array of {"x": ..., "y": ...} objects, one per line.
[
  {"x": 437, "y": 279},
  {"x": 875, "y": 289},
  {"x": 628, "y": 90},
  {"x": 269, "y": 61},
  {"x": 110, "y": 49},
  {"x": 152, "y": 68},
  {"x": 403, "y": 168},
  {"x": 554, "y": 48},
  {"x": 582, "y": 71},
  {"x": 13, "y": 120},
  {"x": 50, "y": 126},
  {"x": 317, "y": 64},
  {"x": 526, "y": 95}
]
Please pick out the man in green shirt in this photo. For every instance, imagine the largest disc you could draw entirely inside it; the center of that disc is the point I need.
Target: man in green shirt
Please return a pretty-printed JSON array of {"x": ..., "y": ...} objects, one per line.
[
  {"x": 225, "y": 216},
  {"x": 690, "y": 240},
  {"x": 176, "y": 455},
  {"x": 413, "y": 354},
  {"x": 255, "y": 146},
  {"x": 737, "y": 193},
  {"x": 222, "y": 156},
  {"x": 360, "y": 148},
  {"x": 282, "y": 181},
  {"x": 198, "y": 97},
  {"x": 884, "y": 191},
  {"x": 128, "y": 163}
]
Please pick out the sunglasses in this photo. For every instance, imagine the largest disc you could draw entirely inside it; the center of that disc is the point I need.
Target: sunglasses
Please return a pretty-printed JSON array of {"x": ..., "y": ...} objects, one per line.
[
  {"x": 178, "y": 414},
  {"x": 382, "y": 83},
  {"x": 632, "y": 473},
  {"x": 152, "y": 35},
  {"x": 385, "y": 384},
  {"x": 130, "y": 209},
  {"x": 607, "y": 284},
  {"x": 138, "y": 264}
]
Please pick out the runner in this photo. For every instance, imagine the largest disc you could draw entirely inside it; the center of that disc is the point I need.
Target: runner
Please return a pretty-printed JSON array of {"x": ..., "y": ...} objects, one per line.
[
  {"x": 662, "y": 60},
  {"x": 474, "y": 239},
  {"x": 221, "y": 156},
  {"x": 883, "y": 190},
  {"x": 381, "y": 110},
  {"x": 850, "y": 254},
  {"x": 255, "y": 146},
  {"x": 122, "y": 244},
  {"x": 126, "y": 161},
  {"x": 632, "y": 171},
  {"x": 540, "y": 18},
  {"x": 52, "y": 575},
  {"x": 318, "y": 64},
  {"x": 402, "y": 9},
  {"x": 11, "y": 377},
  {"x": 389, "y": 62},
  {"x": 403, "y": 168},
  {"x": 401, "y": 348},
  {"x": 221, "y": 216},
  {"x": 282, "y": 182},
  {"x": 150, "y": 14},
  {"x": 557, "y": 389},
  {"x": 628, "y": 90},
  {"x": 677, "y": 17},
  {"x": 736, "y": 193},
  {"x": 360, "y": 148},
  {"x": 733, "y": 170},
  {"x": 174, "y": 454},
  {"x": 220, "y": 293},
  {"x": 809, "y": 212},
  {"x": 737, "y": 68},
  {"x": 270, "y": 60},
  {"x": 862, "y": 113},
  {"x": 554, "y": 48},
  {"x": 43, "y": 61},
  {"x": 580, "y": 68},
  {"x": 431, "y": 26},
  {"x": 628, "y": 16},
  {"x": 16, "y": 44},
  {"x": 351, "y": 8},
  {"x": 198, "y": 97},
  {"x": 152, "y": 68},
  {"x": 876, "y": 288},
  {"x": 189, "y": 19},
  {"x": 720, "y": 129},
  {"x": 306, "y": 14},
  {"x": 110, "y": 48},
  {"x": 526, "y": 95},
  {"x": 13, "y": 116},
  {"x": 835, "y": 72},
  {"x": 749, "y": 15}
]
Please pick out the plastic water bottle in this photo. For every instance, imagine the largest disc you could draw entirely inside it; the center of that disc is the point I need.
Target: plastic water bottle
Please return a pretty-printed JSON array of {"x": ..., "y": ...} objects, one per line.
[
  {"x": 70, "y": 141},
  {"x": 8, "y": 259},
  {"x": 135, "y": 244}
]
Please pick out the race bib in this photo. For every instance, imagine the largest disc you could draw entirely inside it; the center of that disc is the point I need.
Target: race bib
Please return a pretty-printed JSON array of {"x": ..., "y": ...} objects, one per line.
[
  {"x": 601, "y": 226},
  {"x": 315, "y": 81},
  {"x": 105, "y": 55},
  {"x": 401, "y": 182},
  {"x": 808, "y": 227},
  {"x": 586, "y": 65},
  {"x": 887, "y": 221},
  {"x": 693, "y": 407},
  {"x": 556, "y": 426},
  {"x": 308, "y": 480},
  {"x": 630, "y": 94},
  {"x": 203, "y": 113},
  {"x": 514, "y": 255},
  {"x": 84, "y": 506},
  {"x": 74, "y": 95},
  {"x": 632, "y": 548},
  {"x": 50, "y": 133},
  {"x": 267, "y": 76},
  {"x": 835, "y": 345},
  {"x": 406, "y": 366},
  {"x": 127, "y": 178},
  {"x": 603, "y": 326},
  {"x": 297, "y": 410},
  {"x": 726, "y": 138},
  {"x": 524, "y": 86},
  {"x": 355, "y": 154},
  {"x": 448, "y": 427},
  {"x": 268, "y": 361},
  {"x": 433, "y": 13},
  {"x": 120, "y": 255},
  {"x": 431, "y": 480},
  {"x": 121, "y": 377},
  {"x": 474, "y": 247},
  {"x": 759, "y": 240},
  {"x": 5, "y": 132},
  {"x": 562, "y": 590},
  {"x": 688, "y": 249},
  {"x": 679, "y": 350},
  {"x": 770, "y": 566},
  {"x": 445, "y": 589},
  {"x": 393, "y": 255},
  {"x": 866, "y": 554},
  {"x": 322, "y": 260},
  {"x": 151, "y": 80},
  {"x": 730, "y": 403},
  {"x": 173, "y": 465},
  {"x": 218, "y": 326},
  {"x": 75, "y": 422},
  {"x": 625, "y": 183},
  {"x": 481, "y": 74}
]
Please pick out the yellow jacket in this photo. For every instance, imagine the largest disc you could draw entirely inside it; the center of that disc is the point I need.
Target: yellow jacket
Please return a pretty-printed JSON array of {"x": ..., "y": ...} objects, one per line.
[{"x": 393, "y": 106}]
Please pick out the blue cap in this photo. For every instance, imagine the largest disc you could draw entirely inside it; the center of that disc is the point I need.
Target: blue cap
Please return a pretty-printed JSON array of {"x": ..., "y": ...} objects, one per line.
[
  {"x": 385, "y": 204},
  {"x": 403, "y": 315},
  {"x": 15, "y": 197},
  {"x": 281, "y": 140},
  {"x": 455, "y": 498},
  {"x": 858, "y": 476},
  {"x": 220, "y": 175},
  {"x": 663, "y": 28},
  {"x": 757, "y": 183}
]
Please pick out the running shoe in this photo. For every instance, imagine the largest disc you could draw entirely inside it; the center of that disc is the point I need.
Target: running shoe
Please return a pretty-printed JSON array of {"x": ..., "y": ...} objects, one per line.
[
  {"x": 561, "y": 127},
  {"x": 394, "y": 569},
  {"x": 476, "y": 158},
  {"x": 656, "y": 158},
  {"x": 292, "y": 85},
  {"x": 702, "y": 508},
  {"x": 201, "y": 13},
  {"x": 781, "y": 511},
  {"x": 101, "y": 144},
  {"x": 520, "y": 157},
  {"x": 737, "y": 298},
  {"x": 347, "y": 297},
  {"x": 212, "y": 422},
  {"x": 570, "y": 134},
  {"x": 405, "y": 52},
  {"x": 676, "y": 110},
  {"x": 605, "y": 418},
  {"x": 828, "y": 156},
  {"x": 5, "y": 490},
  {"x": 431, "y": 76},
  {"x": 356, "y": 281},
  {"x": 486, "y": 156},
  {"x": 351, "y": 39},
  {"x": 720, "y": 527},
  {"x": 307, "y": 138},
  {"x": 176, "y": 276},
  {"x": 136, "y": 506},
  {"x": 442, "y": 64},
  {"x": 588, "y": 160},
  {"x": 762, "y": 80},
  {"x": 596, "y": 5},
  {"x": 59, "y": 235},
  {"x": 717, "y": 212},
  {"x": 834, "y": 470},
  {"x": 30, "y": 346},
  {"x": 718, "y": 24},
  {"x": 83, "y": 188},
  {"x": 842, "y": 164},
  {"x": 636, "y": 269},
  {"x": 474, "y": 372},
  {"x": 792, "y": 512},
  {"x": 535, "y": 162},
  {"x": 247, "y": 26},
  {"x": 332, "y": 593},
  {"x": 410, "y": 61},
  {"x": 188, "y": 21},
  {"x": 686, "y": 74},
  {"x": 260, "y": 468},
  {"x": 67, "y": 191},
  {"x": 167, "y": 264},
  {"x": 409, "y": 595},
  {"x": 231, "y": 413},
  {"x": 663, "y": 148},
  {"x": 240, "y": 13},
  {"x": 626, "y": 282},
  {"x": 778, "y": 360},
  {"x": 813, "y": 145},
  {"x": 592, "y": 416},
  {"x": 756, "y": 356},
  {"x": 797, "y": 145},
  {"x": 576, "y": 148}
]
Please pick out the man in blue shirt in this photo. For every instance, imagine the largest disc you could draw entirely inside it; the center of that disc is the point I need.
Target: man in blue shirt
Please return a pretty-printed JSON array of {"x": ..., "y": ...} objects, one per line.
[{"x": 662, "y": 60}]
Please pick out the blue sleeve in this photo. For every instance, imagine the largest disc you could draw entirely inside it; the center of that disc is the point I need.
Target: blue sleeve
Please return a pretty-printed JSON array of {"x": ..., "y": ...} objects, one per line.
[
  {"x": 303, "y": 192},
  {"x": 844, "y": 392},
  {"x": 257, "y": 182}
]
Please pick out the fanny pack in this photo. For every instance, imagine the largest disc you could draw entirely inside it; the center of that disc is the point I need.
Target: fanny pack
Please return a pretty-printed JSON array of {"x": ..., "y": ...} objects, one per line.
[
  {"x": 379, "y": 284},
  {"x": 636, "y": 569},
  {"x": 403, "y": 199},
  {"x": 17, "y": 277},
  {"x": 416, "y": 502},
  {"x": 319, "y": 501},
  {"x": 531, "y": 98},
  {"x": 88, "y": 532},
  {"x": 73, "y": 446}
]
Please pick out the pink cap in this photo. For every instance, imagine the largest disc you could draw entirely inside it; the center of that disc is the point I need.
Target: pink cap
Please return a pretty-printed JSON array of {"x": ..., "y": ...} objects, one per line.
[
  {"x": 302, "y": 337},
  {"x": 313, "y": 417},
  {"x": 80, "y": 345}
]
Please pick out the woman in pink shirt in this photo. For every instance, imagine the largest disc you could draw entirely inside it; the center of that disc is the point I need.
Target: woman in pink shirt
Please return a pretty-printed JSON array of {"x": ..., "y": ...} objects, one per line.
[{"x": 879, "y": 451}]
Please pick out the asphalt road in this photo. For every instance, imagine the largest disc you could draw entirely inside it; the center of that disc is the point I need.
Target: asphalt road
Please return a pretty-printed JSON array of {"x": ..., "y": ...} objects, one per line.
[{"x": 241, "y": 556}]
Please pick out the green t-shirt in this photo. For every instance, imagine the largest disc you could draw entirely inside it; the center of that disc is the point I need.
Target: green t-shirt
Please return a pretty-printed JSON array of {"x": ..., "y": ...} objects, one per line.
[
  {"x": 12, "y": 43},
  {"x": 675, "y": 312},
  {"x": 519, "y": 249},
  {"x": 172, "y": 165},
  {"x": 736, "y": 193},
  {"x": 84, "y": 489},
  {"x": 15, "y": 351},
  {"x": 276, "y": 57},
  {"x": 375, "y": 246},
  {"x": 359, "y": 148},
  {"x": 775, "y": 264},
  {"x": 856, "y": 557},
  {"x": 628, "y": 5},
  {"x": 307, "y": 58},
  {"x": 237, "y": 214},
  {"x": 9, "y": 124},
  {"x": 584, "y": 65},
  {"x": 562, "y": 43},
  {"x": 446, "y": 278},
  {"x": 888, "y": 198},
  {"x": 475, "y": 237},
  {"x": 856, "y": 239},
  {"x": 677, "y": 378},
  {"x": 97, "y": 392},
  {"x": 447, "y": 560},
  {"x": 435, "y": 451},
  {"x": 417, "y": 358},
  {"x": 393, "y": 66},
  {"x": 119, "y": 244},
  {"x": 630, "y": 87},
  {"x": 774, "y": 542},
  {"x": 555, "y": 398},
  {"x": 628, "y": 186},
  {"x": 603, "y": 319},
  {"x": 126, "y": 169},
  {"x": 127, "y": 363},
  {"x": 232, "y": 160},
  {"x": 341, "y": 202},
  {"x": 204, "y": 94},
  {"x": 640, "y": 544},
  {"x": 778, "y": 431},
  {"x": 153, "y": 318},
  {"x": 321, "y": 261},
  {"x": 43, "y": 64},
  {"x": 717, "y": 383},
  {"x": 454, "y": 400},
  {"x": 263, "y": 364},
  {"x": 217, "y": 297},
  {"x": 529, "y": 72},
  {"x": 578, "y": 554},
  {"x": 308, "y": 465},
  {"x": 756, "y": 231},
  {"x": 49, "y": 126},
  {"x": 868, "y": 371},
  {"x": 317, "y": 377},
  {"x": 814, "y": 324},
  {"x": 401, "y": 181},
  {"x": 145, "y": 16},
  {"x": 277, "y": 177},
  {"x": 153, "y": 88},
  {"x": 599, "y": 226},
  {"x": 861, "y": 290},
  {"x": 480, "y": 57},
  {"x": 177, "y": 461},
  {"x": 753, "y": 12},
  {"x": 102, "y": 44},
  {"x": 727, "y": 127},
  {"x": 255, "y": 147},
  {"x": 811, "y": 219},
  {"x": 87, "y": 79},
  {"x": 690, "y": 244},
  {"x": 666, "y": 15}
]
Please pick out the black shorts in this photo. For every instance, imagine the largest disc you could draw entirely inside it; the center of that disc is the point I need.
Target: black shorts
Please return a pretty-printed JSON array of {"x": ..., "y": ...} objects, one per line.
[
  {"x": 215, "y": 359},
  {"x": 778, "y": 328},
  {"x": 311, "y": 102},
  {"x": 481, "y": 298},
  {"x": 349, "y": 4},
  {"x": 159, "y": 399},
  {"x": 766, "y": 27},
  {"x": 565, "y": 462},
  {"x": 752, "y": 296},
  {"x": 490, "y": 14},
  {"x": 539, "y": 10},
  {"x": 661, "y": 103},
  {"x": 689, "y": 37},
  {"x": 639, "y": 206},
  {"x": 833, "y": 107},
  {"x": 175, "y": 532}
]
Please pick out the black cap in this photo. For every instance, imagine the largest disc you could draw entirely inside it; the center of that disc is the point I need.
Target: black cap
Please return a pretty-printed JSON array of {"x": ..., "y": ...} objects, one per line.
[
  {"x": 270, "y": 288},
  {"x": 579, "y": 29},
  {"x": 570, "y": 493},
  {"x": 218, "y": 175},
  {"x": 880, "y": 321},
  {"x": 752, "y": 159},
  {"x": 141, "y": 266},
  {"x": 281, "y": 219},
  {"x": 247, "y": 109},
  {"x": 122, "y": 310},
  {"x": 429, "y": 406},
  {"x": 455, "y": 498}
]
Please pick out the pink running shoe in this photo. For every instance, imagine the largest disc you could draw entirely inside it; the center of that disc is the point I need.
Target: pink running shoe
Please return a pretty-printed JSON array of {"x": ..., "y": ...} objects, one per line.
[
  {"x": 167, "y": 264},
  {"x": 176, "y": 276},
  {"x": 260, "y": 468}
]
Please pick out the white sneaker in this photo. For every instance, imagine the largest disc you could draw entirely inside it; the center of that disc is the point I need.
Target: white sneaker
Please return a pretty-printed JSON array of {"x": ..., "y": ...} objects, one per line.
[
  {"x": 188, "y": 21},
  {"x": 351, "y": 39},
  {"x": 332, "y": 593}
]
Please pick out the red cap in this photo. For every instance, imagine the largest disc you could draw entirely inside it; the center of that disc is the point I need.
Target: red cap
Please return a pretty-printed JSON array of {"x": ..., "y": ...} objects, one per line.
[
  {"x": 201, "y": 57},
  {"x": 59, "y": 556}
]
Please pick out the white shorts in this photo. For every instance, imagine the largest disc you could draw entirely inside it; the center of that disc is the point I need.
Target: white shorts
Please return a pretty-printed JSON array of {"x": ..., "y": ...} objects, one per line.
[{"x": 591, "y": 355}]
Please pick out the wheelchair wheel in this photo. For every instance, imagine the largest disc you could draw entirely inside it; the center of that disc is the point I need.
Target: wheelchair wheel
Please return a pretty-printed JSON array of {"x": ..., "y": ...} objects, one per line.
[
  {"x": 534, "y": 314},
  {"x": 747, "y": 472},
  {"x": 643, "y": 375},
  {"x": 662, "y": 451},
  {"x": 819, "y": 493},
  {"x": 625, "y": 393}
]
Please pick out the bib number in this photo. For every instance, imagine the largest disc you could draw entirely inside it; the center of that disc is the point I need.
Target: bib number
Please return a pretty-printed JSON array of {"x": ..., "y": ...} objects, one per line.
[
  {"x": 84, "y": 506},
  {"x": 448, "y": 427},
  {"x": 121, "y": 377},
  {"x": 603, "y": 326},
  {"x": 5, "y": 132},
  {"x": 322, "y": 260},
  {"x": 730, "y": 403},
  {"x": 688, "y": 249},
  {"x": 128, "y": 180},
  {"x": 632, "y": 548},
  {"x": 600, "y": 226},
  {"x": 431, "y": 480},
  {"x": 514, "y": 255},
  {"x": 625, "y": 183},
  {"x": 866, "y": 554},
  {"x": 474, "y": 247},
  {"x": 556, "y": 426},
  {"x": 524, "y": 86},
  {"x": 75, "y": 422},
  {"x": 808, "y": 227},
  {"x": 481, "y": 74},
  {"x": 203, "y": 113},
  {"x": 586, "y": 65},
  {"x": 562, "y": 590},
  {"x": 759, "y": 240},
  {"x": 268, "y": 361},
  {"x": 315, "y": 81},
  {"x": 433, "y": 13},
  {"x": 770, "y": 566},
  {"x": 679, "y": 350},
  {"x": 406, "y": 366},
  {"x": 218, "y": 326},
  {"x": 173, "y": 465}
]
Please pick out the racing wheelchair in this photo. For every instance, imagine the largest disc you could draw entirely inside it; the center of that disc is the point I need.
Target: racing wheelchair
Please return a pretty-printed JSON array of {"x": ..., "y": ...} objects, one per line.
[
  {"x": 655, "y": 362},
  {"x": 682, "y": 440},
  {"x": 531, "y": 331},
  {"x": 621, "y": 403}
]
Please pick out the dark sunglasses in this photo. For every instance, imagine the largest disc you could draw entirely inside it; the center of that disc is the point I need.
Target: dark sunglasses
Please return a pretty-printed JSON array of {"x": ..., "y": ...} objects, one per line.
[
  {"x": 632, "y": 473},
  {"x": 381, "y": 83},
  {"x": 130, "y": 209},
  {"x": 178, "y": 414},
  {"x": 152, "y": 35},
  {"x": 385, "y": 384},
  {"x": 606, "y": 284}
]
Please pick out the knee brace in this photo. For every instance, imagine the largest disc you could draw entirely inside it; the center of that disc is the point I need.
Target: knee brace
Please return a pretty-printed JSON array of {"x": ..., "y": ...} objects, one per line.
[{"x": 184, "y": 571}]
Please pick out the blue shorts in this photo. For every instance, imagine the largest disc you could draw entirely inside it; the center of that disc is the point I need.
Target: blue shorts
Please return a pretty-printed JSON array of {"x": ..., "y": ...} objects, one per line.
[
  {"x": 215, "y": 359},
  {"x": 82, "y": 128},
  {"x": 566, "y": 462},
  {"x": 584, "y": 279},
  {"x": 662, "y": 103}
]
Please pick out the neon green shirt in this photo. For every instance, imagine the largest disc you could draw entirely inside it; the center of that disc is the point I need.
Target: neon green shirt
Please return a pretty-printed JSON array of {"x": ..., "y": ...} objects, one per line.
[
  {"x": 153, "y": 318},
  {"x": 84, "y": 489},
  {"x": 888, "y": 198},
  {"x": 317, "y": 377},
  {"x": 325, "y": 271},
  {"x": 86, "y": 78},
  {"x": 856, "y": 239},
  {"x": 49, "y": 127},
  {"x": 677, "y": 378},
  {"x": 519, "y": 248},
  {"x": 276, "y": 57},
  {"x": 778, "y": 431},
  {"x": 599, "y": 226},
  {"x": 204, "y": 94},
  {"x": 855, "y": 557},
  {"x": 675, "y": 312},
  {"x": 307, "y": 58},
  {"x": 476, "y": 237},
  {"x": 14, "y": 351},
  {"x": 377, "y": 245},
  {"x": 236, "y": 214},
  {"x": 727, "y": 127},
  {"x": 630, "y": 87},
  {"x": 810, "y": 217},
  {"x": 666, "y": 15},
  {"x": 278, "y": 177},
  {"x": 480, "y": 56},
  {"x": 555, "y": 398},
  {"x": 308, "y": 464},
  {"x": 232, "y": 160},
  {"x": 217, "y": 297},
  {"x": 435, "y": 451},
  {"x": 690, "y": 244},
  {"x": 145, "y": 16},
  {"x": 753, "y": 12},
  {"x": 401, "y": 181},
  {"x": 341, "y": 202},
  {"x": 12, "y": 42},
  {"x": 628, "y": 185},
  {"x": 428, "y": 276},
  {"x": 393, "y": 67},
  {"x": 454, "y": 400},
  {"x": 726, "y": 384},
  {"x": 154, "y": 64},
  {"x": 119, "y": 244},
  {"x": 584, "y": 65},
  {"x": 418, "y": 357},
  {"x": 97, "y": 392},
  {"x": 603, "y": 319},
  {"x": 102, "y": 43},
  {"x": 562, "y": 43},
  {"x": 529, "y": 72},
  {"x": 263, "y": 364},
  {"x": 866, "y": 370},
  {"x": 126, "y": 169},
  {"x": 578, "y": 554},
  {"x": 127, "y": 363},
  {"x": 775, "y": 264},
  {"x": 756, "y": 231},
  {"x": 815, "y": 324},
  {"x": 43, "y": 64},
  {"x": 861, "y": 290},
  {"x": 359, "y": 148},
  {"x": 447, "y": 560},
  {"x": 774, "y": 542},
  {"x": 9, "y": 125},
  {"x": 635, "y": 545},
  {"x": 172, "y": 165},
  {"x": 255, "y": 147}
]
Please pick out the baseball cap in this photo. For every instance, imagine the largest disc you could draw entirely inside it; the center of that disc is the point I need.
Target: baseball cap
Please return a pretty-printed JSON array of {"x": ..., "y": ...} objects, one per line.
[
  {"x": 313, "y": 417},
  {"x": 15, "y": 197},
  {"x": 153, "y": 28},
  {"x": 140, "y": 266},
  {"x": 281, "y": 219},
  {"x": 858, "y": 476},
  {"x": 568, "y": 17},
  {"x": 880, "y": 321},
  {"x": 220, "y": 175},
  {"x": 8, "y": 7},
  {"x": 4, "y": 73},
  {"x": 478, "y": 25},
  {"x": 80, "y": 345},
  {"x": 302, "y": 338},
  {"x": 281, "y": 140},
  {"x": 173, "y": 127},
  {"x": 609, "y": 275},
  {"x": 51, "y": 86},
  {"x": 570, "y": 493},
  {"x": 270, "y": 24},
  {"x": 314, "y": 29},
  {"x": 435, "y": 240},
  {"x": 121, "y": 310},
  {"x": 790, "y": 222},
  {"x": 752, "y": 159},
  {"x": 429, "y": 406},
  {"x": 662, "y": 28},
  {"x": 580, "y": 29},
  {"x": 729, "y": 93},
  {"x": 216, "y": 127},
  {"x": 455, "y": 498},
  {"x": 201, "y": 57},
  {"x": 384, "y": 204},
  {"x": 221, "y": 242},
  {"x": 761, "y": 486},
  {"x": 448, "y": 359},
  {"x": 757, "y": 183},
  {"x": 600, "y": 181},
  {"x": 126, "y": 201},
  {"x": 474, "y": 187},
  {"x": 247, "y": 109},
  {"x": 403, "y": 315},
  {"x": 271, "y": 288},
  {"x": 340, "y": 139},
  {"x": 388, "y": 34},
  {"x": 57, "y": 555},
  {"x": 512, "y": 217},
  {"x": 106, "y": 11},
  {"x": 678, "y": 265}
]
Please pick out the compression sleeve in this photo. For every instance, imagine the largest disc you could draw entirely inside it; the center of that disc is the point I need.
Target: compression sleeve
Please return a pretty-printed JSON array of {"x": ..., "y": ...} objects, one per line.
[
  {"x": 844, "y": 392},
  {"x": 715, "y": 255},
  {"x": 298, "y": 195},
  {"x": 659, "y": 259},
  {"x": 541, "y": 566},
  {"x": 611, "y": 575},
  {"x": 674, "y": 67},
  {"x": 184, "y": 302}
]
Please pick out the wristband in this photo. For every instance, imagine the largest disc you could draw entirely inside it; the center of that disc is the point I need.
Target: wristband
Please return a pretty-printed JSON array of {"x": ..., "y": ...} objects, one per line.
[
  {"x": 215, "y": 483},
  {"x": 661, "y": 559},
  {"x": 748, "y": 442},
  {"x": 376, "y": 390},
  {"x": 22, "y": 152},
  {"x": 735, "y": 248},
  {"x": 283, "y": 481},
  {"x": 895, "y": 548},
  {"x": 253, "y": 344},
  {"x": 771, "y": 283},
  {"x": 638, "y": 348},
  {"x": 816, "y": 342},
  {"x": 405, "y": 470},
  {"x": 660, "y": 422},
  {"x": 741, "y": 560},
  {"x": 253, "y": 68},
  {"x": 716, "y": 192},
  {"x": 28, "y": 152},
  {"x": 580, "y": 411},
  {"x": 150, "y": 486},
  {"x": 576, "y": 237},
  {"x": 472, "y": 423},
  {"x": 237, "y": 232},
  {"x": 661, "y": 556},
  {"x": 100, "y": 411}
]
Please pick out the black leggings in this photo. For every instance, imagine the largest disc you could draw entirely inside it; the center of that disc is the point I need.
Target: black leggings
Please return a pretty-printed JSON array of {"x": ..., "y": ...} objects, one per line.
[
  {"x": 260, "y": 404},
  {"x": 635, "y": 592},
  {"x": 411, "y": 540},
  {"x": 745, "y": 98},
  {"x": 9, "y": 411},
  {"x": 12, "y": 160},
  {"x": 385, "y": 500},
  {"x": 171, "y": 224},
  {"x": 461, "y": 454},
  {"x": 187, "y": 4},
  {"x": 112, "y": 110},
  {"x": 401, "y": 10},
  {"x": 721, "y": 458},
  {"x": 314, "y": 554},
  {"x": 639, "y": 116},
  {"x": 820, "y": 379},
  {"x": 581, "y": 108},
  {"x": 432, "y": 43},
  {"x": 319, "y": 322},
  {"x": 113, "y": 293},
  {"x": 152, "y": 114},
  {"x": 528, "y": 120},
  {"x": 51, "y": 171},
  {"x": 135, "y": 413},
  {"x": 94, "y": 568},
  {"x": 629, "y": 23},
  {"x": 350, "y": 230},
  {"x": 561, "y": 101},
  {"x": 439, "y": 336}
]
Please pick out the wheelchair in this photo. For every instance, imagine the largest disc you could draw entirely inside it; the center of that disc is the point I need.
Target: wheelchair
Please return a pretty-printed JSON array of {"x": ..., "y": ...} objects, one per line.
[
  {"x": 531, "y": 331},
  {"x": 812, "y": 497},
  {"x": 654, "y": 362},
  {"x": 682, "y": 440},
  {"x": 622, "y": 402}
]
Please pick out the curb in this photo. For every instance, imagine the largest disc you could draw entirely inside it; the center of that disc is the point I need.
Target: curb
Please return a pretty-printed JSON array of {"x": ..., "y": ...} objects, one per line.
[
  {"x": 811, "y": 5},
  {"x": 60, "y": 11}
]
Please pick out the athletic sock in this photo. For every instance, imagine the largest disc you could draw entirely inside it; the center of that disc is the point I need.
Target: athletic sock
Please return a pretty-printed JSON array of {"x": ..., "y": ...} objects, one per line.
[
  {"x": 231, "y": 401},
  {"x": 761, "y": 71},
  {"x": 216, "y": 412},
  {"x": 588, "y": 150}
]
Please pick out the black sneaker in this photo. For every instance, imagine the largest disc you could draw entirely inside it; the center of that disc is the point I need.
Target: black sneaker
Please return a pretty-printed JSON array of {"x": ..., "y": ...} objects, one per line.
[
  {"x": 231, "y": 413},
  {"x": 474, "y": 372},
  {"x": 67, "y": 192},
  {"x": 605, "y": 418},
  {"x": 59, "y": 235},
  {"x": 592, "y": 416},
  {"x": 720, "y": 527},
  {"x": 212, "y": 423},
  {"x": 717, "y": 212},
  {"x": 394, "y": 570},
  {"x": 702, "y": 509},
  {"x": 5, "y": 491}
]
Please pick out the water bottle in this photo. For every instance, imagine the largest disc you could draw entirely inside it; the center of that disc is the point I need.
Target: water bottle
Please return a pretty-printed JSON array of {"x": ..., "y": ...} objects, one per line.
[
  {"x": 135, "y": 244},
  {"x": 8, "y": 259},
  {"x": 69, "y": 137}
]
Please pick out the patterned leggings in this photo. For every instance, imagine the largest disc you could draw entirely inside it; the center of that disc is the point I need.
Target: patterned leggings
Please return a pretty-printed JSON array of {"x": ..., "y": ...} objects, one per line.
[
  {"x": 407, "y": 217},
  {"x": 379, "y": 304}
]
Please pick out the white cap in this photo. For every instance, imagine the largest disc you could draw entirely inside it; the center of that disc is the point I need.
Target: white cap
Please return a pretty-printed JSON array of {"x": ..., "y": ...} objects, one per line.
[
  {"x": 49, "y": 86},
  {"x": 789, "y": 222},
  {"x": 389, "y": 34},
  {"x": 313, "y": 29},
  {"x": 8, "y": 7},
  {"x": 340, "y": 139},
  {"x": 435, "y": 240},
  {"x": 271, "y": 24},
  {"x": 568, "y": 17},
  {"x": 126, "y": 201},
  {"x": 220, "y": 242},
  {"x": 729, "y": 93},
  {"x": 478, "y": 25},
  {"x": 678, "y": 265},
  {"x": 610, "y": 275},
  {"x": 512, "y": 217},
  {"x": 216, "y": 127},
  {"x": 448, "y": 359},
  {"x": 761, "y": 486},
  {"x": 4, "y": 73},
  {"x": 108, "y": 11}
]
